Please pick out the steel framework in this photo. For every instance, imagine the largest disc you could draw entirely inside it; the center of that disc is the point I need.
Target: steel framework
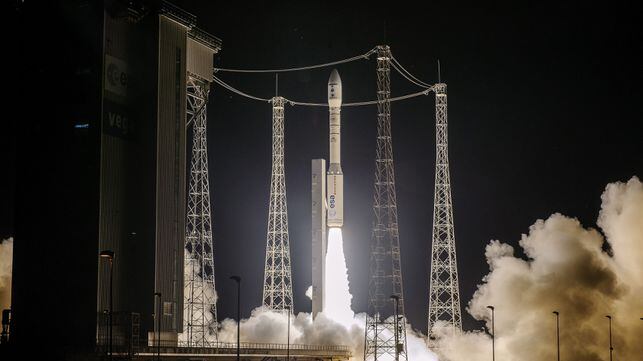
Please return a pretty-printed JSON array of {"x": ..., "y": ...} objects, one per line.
[
  {"x": 382, "y": 335},
  {"x": 444, "y": 290},
  {"x": 277, "y": 285},
  {"x": 200, "y": 308}
]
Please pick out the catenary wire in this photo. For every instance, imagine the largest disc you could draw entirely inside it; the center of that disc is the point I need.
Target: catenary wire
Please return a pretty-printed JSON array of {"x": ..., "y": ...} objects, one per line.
[
  {"x": 417, "y": 81},
  {"x": 358, "y": 57},
  {"x": 293, "y": 102}
]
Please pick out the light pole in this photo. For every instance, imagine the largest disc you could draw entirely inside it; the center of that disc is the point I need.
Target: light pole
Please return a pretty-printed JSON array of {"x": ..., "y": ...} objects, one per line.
[
  {"x": 238, "y": 280},
  {"x": 611, "y": 348},
  {"x": 557, "y": 334},
  {"x": 109, "y": 255},
  {"x": 493, "y": 332},
  {"x": 288, "y": 338},
  {"x": 158, "y": 326},
  {"x": 396, "y": 298}
]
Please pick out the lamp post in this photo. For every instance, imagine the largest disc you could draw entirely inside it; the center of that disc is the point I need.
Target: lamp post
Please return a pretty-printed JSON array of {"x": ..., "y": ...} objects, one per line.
[
  {"x": 288, "y": 337},
  {"x": 557, "y": 334},
  {"x": 158, "y": 326},
  {"x": 109, "y": 255},
  {"x": 396, "y": 298},
  {"x": 493, "y": 333},
  {"x": 611, "y": 348},
  {"x": 238, "y": 280}
]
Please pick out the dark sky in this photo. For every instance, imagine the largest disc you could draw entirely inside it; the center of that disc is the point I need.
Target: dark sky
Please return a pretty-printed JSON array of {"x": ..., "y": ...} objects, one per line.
[{"x": 544, "y": 111}]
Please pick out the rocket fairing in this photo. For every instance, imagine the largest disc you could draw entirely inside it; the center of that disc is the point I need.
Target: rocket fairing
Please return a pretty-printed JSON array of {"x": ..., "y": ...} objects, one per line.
[{"x": 335, "y": 178}]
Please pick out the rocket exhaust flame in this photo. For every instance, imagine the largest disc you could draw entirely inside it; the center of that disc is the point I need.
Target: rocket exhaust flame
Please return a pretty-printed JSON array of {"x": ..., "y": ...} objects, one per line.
[{"x": 337, "y": 303}]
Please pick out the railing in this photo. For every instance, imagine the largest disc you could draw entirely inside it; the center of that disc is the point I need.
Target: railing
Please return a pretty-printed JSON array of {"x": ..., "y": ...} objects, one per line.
[
  {"x": 204, "y": 37},
  {"x": 271, "y": 346},
  {"x": 178, "y": 14}
]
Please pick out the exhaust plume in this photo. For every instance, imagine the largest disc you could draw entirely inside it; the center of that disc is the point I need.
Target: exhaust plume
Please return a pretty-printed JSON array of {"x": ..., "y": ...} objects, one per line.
[
  {"x": 336, "y": 325},
  {"x": 583, "y": 274}
]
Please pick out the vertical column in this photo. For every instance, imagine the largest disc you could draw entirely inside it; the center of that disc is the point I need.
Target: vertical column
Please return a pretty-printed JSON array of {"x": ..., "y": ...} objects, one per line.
[
  {"x": 277, "y": 286},
  {"x": 200, "y": 309},
  {"x": 444, "y": 291},
  {"x": 386, "y": 266},
  {"x": 318, "y": 214}
]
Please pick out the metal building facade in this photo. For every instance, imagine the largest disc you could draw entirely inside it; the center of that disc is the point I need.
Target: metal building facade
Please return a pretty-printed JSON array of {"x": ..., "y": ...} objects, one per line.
[
  {"x": 143, "y": 169},
  {"x": 170, "y": 171}
]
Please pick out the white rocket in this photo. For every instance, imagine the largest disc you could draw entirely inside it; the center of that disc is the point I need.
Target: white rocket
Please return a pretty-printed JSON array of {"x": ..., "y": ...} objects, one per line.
[{"x": 335, "y": 178}]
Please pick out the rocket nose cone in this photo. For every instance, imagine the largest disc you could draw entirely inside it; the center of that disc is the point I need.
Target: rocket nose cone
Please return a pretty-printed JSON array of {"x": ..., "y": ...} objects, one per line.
[{"x": 334, "y": 78}]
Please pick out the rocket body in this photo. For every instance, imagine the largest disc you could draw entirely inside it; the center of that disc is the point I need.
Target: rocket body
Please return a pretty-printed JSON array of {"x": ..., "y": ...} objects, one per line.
[{"x": 335, "y": 178}]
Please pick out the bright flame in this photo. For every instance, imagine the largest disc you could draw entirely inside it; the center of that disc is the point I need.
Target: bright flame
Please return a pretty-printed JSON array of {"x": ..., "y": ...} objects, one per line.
[{"x": 337, "y": 297}]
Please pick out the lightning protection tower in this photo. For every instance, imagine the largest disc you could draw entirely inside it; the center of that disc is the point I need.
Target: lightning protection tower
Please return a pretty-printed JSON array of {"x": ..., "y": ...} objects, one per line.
[
  {"x": 277, "y": 284},
  {"x": 385, "y": 335},
  {"x": 200, "y": 308},
  {"x": 444, "y": 290}
]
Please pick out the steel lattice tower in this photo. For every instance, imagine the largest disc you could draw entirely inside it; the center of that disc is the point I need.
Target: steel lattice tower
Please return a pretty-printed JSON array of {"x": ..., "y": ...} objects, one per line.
[
  {"x": 200, "y": 308},
  {"x": 444, "y": 290},
  {"x": 386, "y": 267},
  {"x": 277, "y": 284}
]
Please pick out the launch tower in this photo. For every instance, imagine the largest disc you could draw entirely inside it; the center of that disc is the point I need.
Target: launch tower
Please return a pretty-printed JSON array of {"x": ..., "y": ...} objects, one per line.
[
  {"x": 277, "y": 284},
  {"x": 386, "y": 324},
  {"x": 200, "y": 307},
  {"x": 444, "y": 290}
]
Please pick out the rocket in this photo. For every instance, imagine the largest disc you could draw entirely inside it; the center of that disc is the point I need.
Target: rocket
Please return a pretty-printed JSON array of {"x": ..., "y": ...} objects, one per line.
[{"x": 335, "y": 178}]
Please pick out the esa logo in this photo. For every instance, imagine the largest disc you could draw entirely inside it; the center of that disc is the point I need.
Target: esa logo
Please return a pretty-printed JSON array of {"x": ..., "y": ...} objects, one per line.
[
  {"x": 332, "y": 201},
  {"x": 116, "y": 76}
]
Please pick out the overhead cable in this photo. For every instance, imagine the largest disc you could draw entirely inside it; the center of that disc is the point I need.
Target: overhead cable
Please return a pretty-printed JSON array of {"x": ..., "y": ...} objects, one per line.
[
  {"x": 358, "y": 104},
  {"x": 396, "y": 64},
  {"x": 293, "y": 102},
  {"x": 236, "y": 91},
  {"x": 358, "y": 57}
]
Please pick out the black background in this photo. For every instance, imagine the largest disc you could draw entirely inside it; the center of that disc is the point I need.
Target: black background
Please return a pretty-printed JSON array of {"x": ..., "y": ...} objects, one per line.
[{"x": 544, "y": 111}]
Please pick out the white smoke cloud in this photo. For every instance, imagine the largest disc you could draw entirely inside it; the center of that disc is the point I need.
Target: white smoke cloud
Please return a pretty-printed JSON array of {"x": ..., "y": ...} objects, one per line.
[
  {"x": 6, "y": 261},
  {"x": 203, "y": 292},
  {"x": 266, "y": 326},
  {"x": 566, "y": 270},
  {"x": 337, "y": 325}
]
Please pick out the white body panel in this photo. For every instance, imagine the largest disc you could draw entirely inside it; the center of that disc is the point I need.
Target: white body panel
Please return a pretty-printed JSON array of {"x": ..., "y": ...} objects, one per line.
[
  {"x": 335, "y": 191},
  {"x": 335, "y": 180}
]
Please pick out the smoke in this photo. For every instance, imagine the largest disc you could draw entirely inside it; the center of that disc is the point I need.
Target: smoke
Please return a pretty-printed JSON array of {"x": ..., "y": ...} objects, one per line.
[
  {"x": 267, "y": 326},
  {"x": 571, "y": 269},
  {"x": 337, "y": 325},
  {"x": 6, "y": 260},
  {"x": 202, "y": 292}
]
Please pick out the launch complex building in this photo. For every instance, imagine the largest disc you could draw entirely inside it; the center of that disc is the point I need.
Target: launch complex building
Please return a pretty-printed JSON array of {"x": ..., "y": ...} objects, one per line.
[{"x": 110, "y": 147}]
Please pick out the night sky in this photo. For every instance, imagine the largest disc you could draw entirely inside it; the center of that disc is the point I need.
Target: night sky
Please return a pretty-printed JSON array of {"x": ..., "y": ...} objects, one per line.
[{"x": 544, "y": 111}]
